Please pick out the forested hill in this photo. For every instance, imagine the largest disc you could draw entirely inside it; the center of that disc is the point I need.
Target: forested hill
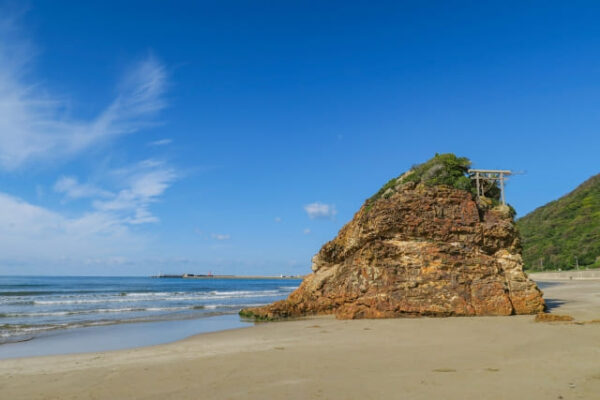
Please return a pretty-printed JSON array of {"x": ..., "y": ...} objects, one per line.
[{"x": 564, "y": 232}]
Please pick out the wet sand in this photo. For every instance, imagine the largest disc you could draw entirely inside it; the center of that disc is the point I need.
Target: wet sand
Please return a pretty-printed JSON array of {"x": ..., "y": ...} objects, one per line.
[
  {"x": 323, "y": 358},
  {"x": 116, "y": 337}
]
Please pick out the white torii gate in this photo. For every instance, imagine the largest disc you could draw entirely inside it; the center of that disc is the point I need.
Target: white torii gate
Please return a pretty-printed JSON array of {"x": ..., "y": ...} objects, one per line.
[{"x": 490, "y": 175}]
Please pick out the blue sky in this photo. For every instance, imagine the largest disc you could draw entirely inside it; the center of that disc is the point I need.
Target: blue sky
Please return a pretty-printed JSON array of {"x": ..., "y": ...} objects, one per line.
[{"x": 238, "y": 137}]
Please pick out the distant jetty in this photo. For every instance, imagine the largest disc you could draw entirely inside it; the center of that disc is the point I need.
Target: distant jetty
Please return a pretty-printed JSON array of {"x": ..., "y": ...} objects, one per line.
[{"x": 211, "y": 276}]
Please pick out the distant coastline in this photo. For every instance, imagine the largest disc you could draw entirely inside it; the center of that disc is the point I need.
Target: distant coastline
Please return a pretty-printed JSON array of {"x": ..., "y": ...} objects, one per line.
[{"x": 210, "y": 276}]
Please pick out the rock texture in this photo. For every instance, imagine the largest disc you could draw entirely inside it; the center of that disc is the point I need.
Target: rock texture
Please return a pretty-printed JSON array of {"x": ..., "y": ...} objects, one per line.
[{"x": 418, "y": 250}]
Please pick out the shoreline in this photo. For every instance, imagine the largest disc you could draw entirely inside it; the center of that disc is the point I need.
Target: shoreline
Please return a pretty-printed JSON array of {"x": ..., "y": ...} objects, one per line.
[
  {"x": 315, "y": 358},
  {"x": 54, "y": 306},
  {"x": 60, "y": 337},
  {"x": 116, "y": 337},
  {"x": 85, "y": 336}
]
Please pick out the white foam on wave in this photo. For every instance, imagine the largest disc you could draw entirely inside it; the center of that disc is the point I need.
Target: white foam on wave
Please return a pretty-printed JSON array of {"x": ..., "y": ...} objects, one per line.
[
  {"x": 102, "y": 311},
  {"x": 82, "y": 301},
  {"x": 159, "y": 296},
  {"x": 233, "y": 306},
  {"x": 151, "y": 294},
  {"x": 241, "y": 292}
]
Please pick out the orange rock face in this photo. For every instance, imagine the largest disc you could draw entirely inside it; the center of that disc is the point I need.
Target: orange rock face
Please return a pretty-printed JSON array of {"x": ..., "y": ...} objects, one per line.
[{"x": 422, "y": 251}]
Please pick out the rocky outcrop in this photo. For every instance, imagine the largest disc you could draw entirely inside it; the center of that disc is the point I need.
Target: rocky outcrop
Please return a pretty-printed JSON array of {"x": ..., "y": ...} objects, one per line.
[{"x": 417, "y": 250}]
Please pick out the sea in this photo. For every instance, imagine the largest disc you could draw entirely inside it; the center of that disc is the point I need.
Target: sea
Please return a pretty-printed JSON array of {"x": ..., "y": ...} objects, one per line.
[{"x": 31, "y": 307}]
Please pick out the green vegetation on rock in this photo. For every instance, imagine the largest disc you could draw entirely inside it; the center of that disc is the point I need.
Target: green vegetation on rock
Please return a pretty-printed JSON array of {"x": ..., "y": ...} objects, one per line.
[
  {"x": 248, "y": 314},
  {"x": 442, "y": 169},
  {"x": 564, "y": 232}
]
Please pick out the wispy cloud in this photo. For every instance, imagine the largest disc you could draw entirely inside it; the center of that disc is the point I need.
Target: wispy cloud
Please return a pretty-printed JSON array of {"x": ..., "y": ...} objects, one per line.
[
  {"x": 35, "y": 124},
  {"x": 54, "y": 236},
  {"x": 74, "y": 190},
  {"x": 102, "y": 230},
  {"x": 306, "y": 231},
  {"x": 220, "y": 236},
  {"x": 144, "y": 183},
  {"x": 161, "y": 142},
  {"x": 318, "y": 210}
]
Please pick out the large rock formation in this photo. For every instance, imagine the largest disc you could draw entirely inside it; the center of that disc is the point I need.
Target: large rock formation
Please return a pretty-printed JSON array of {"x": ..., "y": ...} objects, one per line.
[{"x": 417, "y": 249}]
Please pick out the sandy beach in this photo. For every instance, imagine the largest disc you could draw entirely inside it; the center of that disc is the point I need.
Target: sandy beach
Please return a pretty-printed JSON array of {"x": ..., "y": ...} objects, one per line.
[{"x": 324, "y": 358}]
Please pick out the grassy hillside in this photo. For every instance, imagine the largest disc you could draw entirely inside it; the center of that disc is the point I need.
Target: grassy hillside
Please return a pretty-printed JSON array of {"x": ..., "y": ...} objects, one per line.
[{"x": 564, "y": 231}]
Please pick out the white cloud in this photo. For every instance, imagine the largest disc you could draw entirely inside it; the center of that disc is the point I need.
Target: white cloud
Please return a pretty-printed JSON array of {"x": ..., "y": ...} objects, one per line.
[
  {"x": 145, "y": 183},
  {"x": 102, "y": 232},
  {"x": 320, "y": 210},
  {"x": 306, "y": 231},
  {"x": 218, "y": 236},
  {"x": 36, "y": 125},
  {"x": 161, "y": 142},
  {"x": 142, "y": 184},
  {"x": 29, "y": 230},
  {"x": 278, "y": 219},
  {"x": 75, "y": 190}
]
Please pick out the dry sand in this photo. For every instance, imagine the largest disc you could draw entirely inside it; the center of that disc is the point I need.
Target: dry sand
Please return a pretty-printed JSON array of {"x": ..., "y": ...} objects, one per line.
[{"x": 322, "y": 358}]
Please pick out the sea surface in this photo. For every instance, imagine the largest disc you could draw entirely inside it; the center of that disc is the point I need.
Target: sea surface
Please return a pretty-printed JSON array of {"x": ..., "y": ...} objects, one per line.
[{"x": 35, "y": 306}]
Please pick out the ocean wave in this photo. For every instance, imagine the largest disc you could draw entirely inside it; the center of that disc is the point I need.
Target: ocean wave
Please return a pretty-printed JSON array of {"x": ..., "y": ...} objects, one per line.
[
  {"x": 27, "y": 292},
  {"x": 148, "y": 294},
  {"x": 99, "y": 311},
  {"x": 241, "y": 292},
  {"x": 166, "y": 296},
  {"x": 24, "y": 285},
  {"x": 7, "y": 331},
  {"x": 14, "y": 332},
  {"x": 231, "y": 306},
  {"x": 55, "y": 292},
  {"x": 28, "y": 307},
  {"x": 87, "y": 301},
  {"x": 19, "y": 303}
]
